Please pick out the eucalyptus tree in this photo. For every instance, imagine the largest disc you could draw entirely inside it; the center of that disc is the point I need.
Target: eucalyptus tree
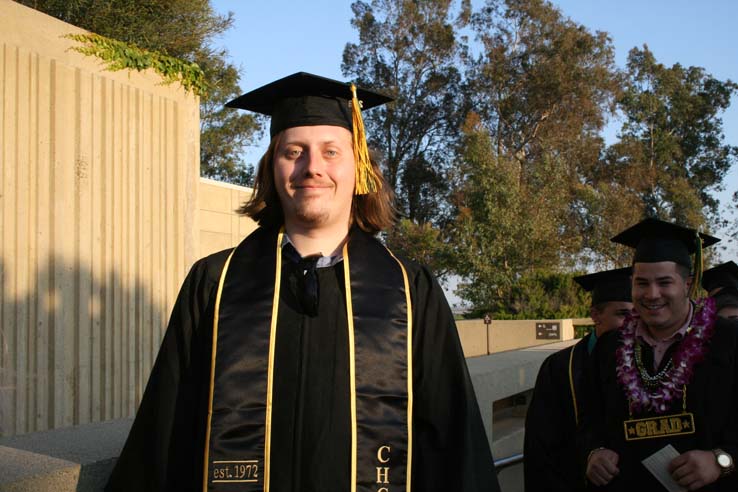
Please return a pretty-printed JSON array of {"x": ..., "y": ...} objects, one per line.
[{"x": 409, "y": 50}]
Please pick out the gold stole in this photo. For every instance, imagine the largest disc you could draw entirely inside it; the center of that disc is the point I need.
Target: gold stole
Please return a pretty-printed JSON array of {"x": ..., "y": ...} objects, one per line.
[{"x": 245, "y": 327}]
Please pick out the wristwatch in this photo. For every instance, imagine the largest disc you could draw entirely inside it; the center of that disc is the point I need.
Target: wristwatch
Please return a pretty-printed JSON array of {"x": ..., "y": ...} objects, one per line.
[{"x": 724, "y": 461}]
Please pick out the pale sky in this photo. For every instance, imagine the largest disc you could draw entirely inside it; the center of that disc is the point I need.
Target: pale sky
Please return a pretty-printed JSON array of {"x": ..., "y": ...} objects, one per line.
[{"x": 275, "y": 38}]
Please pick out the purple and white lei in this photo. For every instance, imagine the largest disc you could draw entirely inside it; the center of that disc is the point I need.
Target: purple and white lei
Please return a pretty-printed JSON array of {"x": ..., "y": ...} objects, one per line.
[{"x": 690, "y": 352}]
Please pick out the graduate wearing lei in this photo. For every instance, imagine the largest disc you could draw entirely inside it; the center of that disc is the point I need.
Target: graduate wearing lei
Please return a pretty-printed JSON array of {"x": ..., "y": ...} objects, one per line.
[{"x": 667, "y": 381}]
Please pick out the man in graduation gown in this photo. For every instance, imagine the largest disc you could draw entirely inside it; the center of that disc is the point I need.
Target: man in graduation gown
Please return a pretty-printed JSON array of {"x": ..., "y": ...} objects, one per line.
[
  {"x": 551, "y": 459},
  {"x": 721, "y": 283},
  {"x": 666, "y": 382},
  {"x": 310, "y": 358}
]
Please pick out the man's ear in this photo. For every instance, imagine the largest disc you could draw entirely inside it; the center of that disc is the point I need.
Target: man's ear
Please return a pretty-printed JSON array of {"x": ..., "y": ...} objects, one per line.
[
  {"x": 689, "y": 281},
  {"x": 594, "y": 313}
]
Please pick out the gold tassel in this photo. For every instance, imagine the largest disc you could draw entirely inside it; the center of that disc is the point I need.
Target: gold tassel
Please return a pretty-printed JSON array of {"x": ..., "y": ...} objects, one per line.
[
  {"x": 698, "y": 265},
  {"x": 366, "y": 180}
]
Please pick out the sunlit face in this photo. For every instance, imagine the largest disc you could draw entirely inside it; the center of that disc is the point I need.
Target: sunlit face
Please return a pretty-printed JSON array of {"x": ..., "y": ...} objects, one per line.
[
  {"x": 661, "y": 296},
  {"x": 730, "y": 312},
  {"x": 314, "y": 176},
  {"x": 610, "y": 315}
]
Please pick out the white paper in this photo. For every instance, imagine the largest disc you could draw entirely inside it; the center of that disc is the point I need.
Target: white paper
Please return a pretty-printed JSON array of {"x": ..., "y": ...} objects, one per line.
[{"x": 658, "y": 465}]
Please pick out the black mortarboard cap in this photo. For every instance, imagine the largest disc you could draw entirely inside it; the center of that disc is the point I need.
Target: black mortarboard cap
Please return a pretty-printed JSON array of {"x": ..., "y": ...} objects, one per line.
[
  {"x": 723, "y": 275},
  {"x": 608, "y": 285},
  {"x": 304, "y": 99},
  {"x": 655, "y": 240},
  {"x": 727, "y": 297}
]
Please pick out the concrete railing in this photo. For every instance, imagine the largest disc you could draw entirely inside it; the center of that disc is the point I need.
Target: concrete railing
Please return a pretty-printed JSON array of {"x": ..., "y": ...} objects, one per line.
[
  {"x": 80, "y": 458},
  {"x": 478, "y": 338},
  {"x": 75, "y": 459}
]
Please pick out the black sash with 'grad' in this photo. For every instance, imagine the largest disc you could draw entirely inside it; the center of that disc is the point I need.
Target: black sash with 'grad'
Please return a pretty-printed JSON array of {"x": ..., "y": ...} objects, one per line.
[{"x": 237, "y": 447}]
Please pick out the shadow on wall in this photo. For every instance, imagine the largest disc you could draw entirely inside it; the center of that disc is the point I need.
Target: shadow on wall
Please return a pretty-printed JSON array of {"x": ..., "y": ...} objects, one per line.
[{"x": 76, "y": 346}]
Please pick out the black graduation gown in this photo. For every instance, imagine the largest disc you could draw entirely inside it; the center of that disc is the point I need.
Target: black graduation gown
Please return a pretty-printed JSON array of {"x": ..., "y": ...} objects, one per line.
[
  {"x": 551, "y": 459},
  {"x": 310, "y": 447},
  {"x": 712, "y": 396}
]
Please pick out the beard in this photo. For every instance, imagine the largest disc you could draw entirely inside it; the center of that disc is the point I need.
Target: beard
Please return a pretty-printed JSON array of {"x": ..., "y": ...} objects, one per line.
[
  {"x": 311, "y": 215},
  {"x": 314, "y": 208},
  {"x": 311, "y": 212}
]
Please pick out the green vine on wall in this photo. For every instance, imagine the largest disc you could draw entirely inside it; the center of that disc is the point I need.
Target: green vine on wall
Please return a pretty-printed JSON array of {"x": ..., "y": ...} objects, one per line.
[{"x": 119, "y": 56}]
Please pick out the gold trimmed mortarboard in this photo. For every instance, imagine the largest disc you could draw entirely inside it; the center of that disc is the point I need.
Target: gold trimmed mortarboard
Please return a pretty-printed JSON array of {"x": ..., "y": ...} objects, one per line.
[{"x": 304, "y": 99}]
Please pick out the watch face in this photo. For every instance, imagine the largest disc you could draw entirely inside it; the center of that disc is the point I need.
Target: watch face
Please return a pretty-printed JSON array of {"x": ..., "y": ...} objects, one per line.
[{"x": 723, "y": 460}]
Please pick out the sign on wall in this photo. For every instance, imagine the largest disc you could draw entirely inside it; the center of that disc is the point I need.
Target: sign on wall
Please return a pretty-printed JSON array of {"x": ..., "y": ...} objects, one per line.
[{"x": 548, "y": 331}]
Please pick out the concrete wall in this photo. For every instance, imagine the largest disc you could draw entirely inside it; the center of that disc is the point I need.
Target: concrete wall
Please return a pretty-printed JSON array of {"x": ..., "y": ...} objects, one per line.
[
  {"x": 473, "y": 335},
  {"x": 98, "y": 225},
  {"x": 220, "y": 226},
  {"x": 501, "y": 335},
  {"x": 514, "y": 334}
]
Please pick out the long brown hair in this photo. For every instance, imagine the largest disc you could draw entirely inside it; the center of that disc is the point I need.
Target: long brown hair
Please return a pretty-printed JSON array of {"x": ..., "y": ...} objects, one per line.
[{"x": 373, "y": 212}]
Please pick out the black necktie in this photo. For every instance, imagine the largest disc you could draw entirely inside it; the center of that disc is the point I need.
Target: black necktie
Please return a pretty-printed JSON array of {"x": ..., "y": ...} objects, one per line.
[{"x": 305, "y": 271}]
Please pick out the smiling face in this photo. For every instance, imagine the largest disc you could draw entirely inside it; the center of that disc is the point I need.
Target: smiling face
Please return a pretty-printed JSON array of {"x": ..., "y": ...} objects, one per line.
[
  {"x": 314, "y": 176},
  {"x": 661, "y": 296}
]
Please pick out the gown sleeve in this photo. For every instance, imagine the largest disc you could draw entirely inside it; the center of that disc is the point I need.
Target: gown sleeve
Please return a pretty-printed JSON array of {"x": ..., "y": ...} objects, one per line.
[
  {"x": 450, "y": 448},
  {"x": 727, "y": 440},
  {"x": 159, "y": 451},
  {"x": 548, "y": 429},
  {"x": 592, "y": 427}
]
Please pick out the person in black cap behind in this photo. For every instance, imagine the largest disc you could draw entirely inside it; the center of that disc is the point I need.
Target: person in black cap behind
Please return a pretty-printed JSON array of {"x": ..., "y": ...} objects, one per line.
[
  {"x": 724, "y": 275},
  {"x": 551, "y": 462},
  {"x": 721, "y": 283},
  {"x": 309, "y": 358},
  {"x": 726, "y": 303},
  {"x": 667, "y": 381}
]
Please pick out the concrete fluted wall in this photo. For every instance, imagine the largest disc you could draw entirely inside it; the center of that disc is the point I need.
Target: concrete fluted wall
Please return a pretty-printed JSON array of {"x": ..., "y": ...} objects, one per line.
[
  {"x": 98, "y": 222},
  {"x": 220, "y": 226}
]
